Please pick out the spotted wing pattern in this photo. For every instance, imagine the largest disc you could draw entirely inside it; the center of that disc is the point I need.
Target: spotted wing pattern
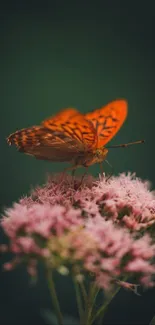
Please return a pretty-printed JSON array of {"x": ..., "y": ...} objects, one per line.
[
  {"x": 71, "y": 123},
  {"x": 60, "y": 138},
  {"x": 107, "y": 120}
]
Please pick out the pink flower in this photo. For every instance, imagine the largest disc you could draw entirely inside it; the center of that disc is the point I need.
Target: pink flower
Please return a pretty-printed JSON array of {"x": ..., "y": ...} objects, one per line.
[
  {"x": 140, "y": 265},
  {"x": 92, "y": 228},
  {"x": 40, "y": 219}
]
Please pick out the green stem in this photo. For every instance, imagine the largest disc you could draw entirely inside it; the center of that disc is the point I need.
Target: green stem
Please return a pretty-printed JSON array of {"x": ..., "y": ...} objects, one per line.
[
  {"x": 78, "y": 298},
  {"x": 54, "y": 296},
  {"x": 84, "y": 293},
  {"x": 102, "y": 310},
  {"x": 88, "y": 299},
  {"x": 91, "y": 300}
]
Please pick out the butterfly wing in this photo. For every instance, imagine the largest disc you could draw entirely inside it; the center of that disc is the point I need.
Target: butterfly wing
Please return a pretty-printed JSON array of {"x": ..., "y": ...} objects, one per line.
[
  {"x": 56, "y": 139},
  {"x": 73, "y": 124},
  {"x": 42, "y": 144},
  {"x": 108, "y": 120}
]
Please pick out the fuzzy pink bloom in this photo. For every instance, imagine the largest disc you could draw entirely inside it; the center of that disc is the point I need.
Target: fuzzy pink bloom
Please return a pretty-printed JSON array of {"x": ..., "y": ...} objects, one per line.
[
  {"x": 140, "y": 265},
  {"x": 93, "y": 228},
  {"x": 126, "y": 199},
  {"x": 8, "y": 266},
  {"x": 40, "y": 219}
]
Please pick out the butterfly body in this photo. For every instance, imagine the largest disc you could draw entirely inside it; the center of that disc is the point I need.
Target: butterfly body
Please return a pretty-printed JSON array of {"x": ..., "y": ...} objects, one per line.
[
  {"x": 70, "y": 136},
  {"x": 91, "y": 157}
]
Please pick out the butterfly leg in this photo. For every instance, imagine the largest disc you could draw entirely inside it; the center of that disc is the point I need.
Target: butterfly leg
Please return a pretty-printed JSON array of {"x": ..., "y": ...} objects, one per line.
[
  {"x": 83, "y": 176},
  {"x": 72, "y": 168},
  {"x": 73, "y": 174}
]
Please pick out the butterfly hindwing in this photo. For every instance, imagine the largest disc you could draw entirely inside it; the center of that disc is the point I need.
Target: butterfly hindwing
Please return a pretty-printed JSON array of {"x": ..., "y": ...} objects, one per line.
[{"x": 41, "y": 143}]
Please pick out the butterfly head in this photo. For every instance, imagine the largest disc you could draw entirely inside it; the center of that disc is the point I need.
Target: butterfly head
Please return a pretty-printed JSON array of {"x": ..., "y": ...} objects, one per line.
[
  {"x": 101, "y": 154},
  {"x": 98, "y": 156}
]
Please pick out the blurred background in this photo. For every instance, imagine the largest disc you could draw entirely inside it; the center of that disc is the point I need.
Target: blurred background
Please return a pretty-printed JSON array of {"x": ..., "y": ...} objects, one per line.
[{"x": 57, "y": 54}]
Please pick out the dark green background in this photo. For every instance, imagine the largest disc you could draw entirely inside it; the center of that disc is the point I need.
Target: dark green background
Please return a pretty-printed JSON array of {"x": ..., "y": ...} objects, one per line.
[{"x": 80, "y": 54}]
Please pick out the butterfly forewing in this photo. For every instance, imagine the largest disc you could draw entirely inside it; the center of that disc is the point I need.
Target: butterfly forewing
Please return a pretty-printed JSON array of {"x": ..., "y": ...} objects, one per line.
[
  {"x": 73, "y": 124},
  {"x": 107, "y": 120},
  {"x": 60, "y": 138}
]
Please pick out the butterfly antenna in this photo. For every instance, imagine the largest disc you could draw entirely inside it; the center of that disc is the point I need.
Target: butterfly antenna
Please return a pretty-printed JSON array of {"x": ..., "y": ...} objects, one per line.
[
  {"x": 112, "y": 169},
  {"x": 124, "y": 145}
]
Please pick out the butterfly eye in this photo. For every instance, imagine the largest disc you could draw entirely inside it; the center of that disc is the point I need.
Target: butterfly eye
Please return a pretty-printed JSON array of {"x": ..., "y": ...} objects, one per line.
[
  {"x": 101, "y": 152},
  {"x": 98, "y": 153}
]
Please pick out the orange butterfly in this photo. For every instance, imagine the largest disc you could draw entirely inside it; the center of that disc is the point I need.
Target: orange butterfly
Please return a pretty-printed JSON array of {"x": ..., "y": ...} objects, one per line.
[{"x": 72, "y": 136}]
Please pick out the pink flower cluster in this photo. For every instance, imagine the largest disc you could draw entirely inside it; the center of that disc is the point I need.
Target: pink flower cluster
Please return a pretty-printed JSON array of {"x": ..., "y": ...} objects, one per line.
[
  {"x": 125, "y": 199},
  {"x": 97, "y": 226}
]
